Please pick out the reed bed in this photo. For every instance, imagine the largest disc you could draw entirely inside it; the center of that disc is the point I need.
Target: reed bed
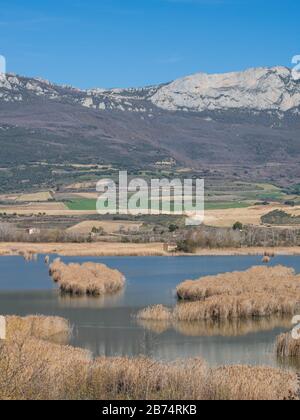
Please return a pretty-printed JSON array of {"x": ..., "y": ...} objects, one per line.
[
  {"x": 258, "y": 292},
  {"x": 54, "y": 329},
  {"x": 145, "y": 379},
  {"x": 254, "y": 383},
  {"x": 255, "y": 305},
  {"x": 225, "y": 307},
  {"x": 256, "y": 279},
  {"x": 35, "y": 369},
  {"x": 287, "y": 346},
  {"x": 38, "y": 370},
  {"x": 87, "y": 279}
]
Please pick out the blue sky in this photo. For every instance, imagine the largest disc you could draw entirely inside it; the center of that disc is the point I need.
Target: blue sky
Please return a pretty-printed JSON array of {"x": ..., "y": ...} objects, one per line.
[{"x": 110, "y": 43}]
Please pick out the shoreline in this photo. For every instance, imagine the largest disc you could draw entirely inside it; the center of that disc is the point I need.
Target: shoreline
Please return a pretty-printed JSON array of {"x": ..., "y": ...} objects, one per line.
[{"x": 104, "y": 249}]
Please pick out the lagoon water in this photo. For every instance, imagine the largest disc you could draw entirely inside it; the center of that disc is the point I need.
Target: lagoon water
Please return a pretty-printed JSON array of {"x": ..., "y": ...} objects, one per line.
[{"x": 108, "y": 327}]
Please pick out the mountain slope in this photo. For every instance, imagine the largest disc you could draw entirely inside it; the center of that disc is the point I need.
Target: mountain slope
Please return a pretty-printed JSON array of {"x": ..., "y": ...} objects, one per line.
[
  {"x": 261, "y": 89},
  {"x": 239, "y": 120}
]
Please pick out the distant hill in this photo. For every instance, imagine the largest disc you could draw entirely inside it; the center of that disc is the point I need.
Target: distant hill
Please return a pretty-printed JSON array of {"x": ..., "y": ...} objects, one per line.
[{"x": 238, "y": 123}]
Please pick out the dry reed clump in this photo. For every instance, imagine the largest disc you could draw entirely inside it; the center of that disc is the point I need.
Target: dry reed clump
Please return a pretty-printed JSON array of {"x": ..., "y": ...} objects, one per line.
[
  {"x": 253, "y": 305},
  {"x": 256, "y": 279},
  {"x": 157, "y": 319},
  {"x": 53, "y": 329},
  {"x": 287, "y": 346},
  {"x": 155, "y": 313},
  {"x": 254, "y": 383},
  {"x": 86, "y": 279},
  {"x": 29, "y": 255},
  {"x": 258, "y": 292}
]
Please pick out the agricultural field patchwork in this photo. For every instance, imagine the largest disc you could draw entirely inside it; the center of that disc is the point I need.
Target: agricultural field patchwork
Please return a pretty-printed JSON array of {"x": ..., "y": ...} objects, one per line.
[{"x": 35, "y": 197}]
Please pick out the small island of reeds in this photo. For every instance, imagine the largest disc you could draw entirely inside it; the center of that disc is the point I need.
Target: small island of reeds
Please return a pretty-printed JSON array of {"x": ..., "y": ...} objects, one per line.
[
  {"x": 86, "y": 279},
  {"x": 255, "y": 293}
]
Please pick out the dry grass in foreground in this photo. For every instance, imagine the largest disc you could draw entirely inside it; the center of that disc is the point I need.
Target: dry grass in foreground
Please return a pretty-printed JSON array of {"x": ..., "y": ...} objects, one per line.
[
  {"x": 258, "y": 292},
  {"x": 86, "y": 279},
  {"x": 254, "y": 383},
  {"x": 54, "y": 329},
  {"x": 33, "y": 369},
  {"x": 287, "y": 346}
]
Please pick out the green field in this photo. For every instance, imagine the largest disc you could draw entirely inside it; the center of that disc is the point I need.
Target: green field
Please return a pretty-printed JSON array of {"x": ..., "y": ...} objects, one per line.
[
  {"x": 82, "y": 204},
  {"x": 226, "y": 205}
]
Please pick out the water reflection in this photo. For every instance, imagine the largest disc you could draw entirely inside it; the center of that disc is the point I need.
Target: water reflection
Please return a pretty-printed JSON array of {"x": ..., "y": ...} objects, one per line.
[
  {"x": 108, "y": 326},
  {"x": 232, "y": 328},
  {"x": 289, "y": 363},
  {"x": 89, "y": 302}
]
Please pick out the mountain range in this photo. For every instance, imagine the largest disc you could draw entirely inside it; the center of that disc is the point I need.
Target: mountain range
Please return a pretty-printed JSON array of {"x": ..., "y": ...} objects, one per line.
[{"x": 244, "y": 121}]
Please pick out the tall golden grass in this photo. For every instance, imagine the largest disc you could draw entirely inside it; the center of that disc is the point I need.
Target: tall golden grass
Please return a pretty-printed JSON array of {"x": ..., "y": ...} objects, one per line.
[
  {"x": 254, "y": 383},
  {"x": 287, "y": 346},
  {"x": 251, "y": 305},
  {"x": 145, "y": 379},
  {"x": 34, "y": 369},
  {"x": 256, "y": 279},
  {"x": 86, "y": 279},
  {"x": 54, "y": 329},
  {"x": 258, "y": 292},
  {"x": 37, "y": 370}
]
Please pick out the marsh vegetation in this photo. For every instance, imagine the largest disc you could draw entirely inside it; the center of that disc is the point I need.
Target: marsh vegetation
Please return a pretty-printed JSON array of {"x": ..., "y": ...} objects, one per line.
[
  {"x": 256, "y": 293},
  {"x": 33, "y": 368},
  {"x": 86, "y": 279},
  {"x": 287, "y": 346}
]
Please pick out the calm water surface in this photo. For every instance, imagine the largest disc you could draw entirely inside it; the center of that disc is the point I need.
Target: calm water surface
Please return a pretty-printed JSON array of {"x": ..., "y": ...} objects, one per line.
[{"x": 108, "y": 327}]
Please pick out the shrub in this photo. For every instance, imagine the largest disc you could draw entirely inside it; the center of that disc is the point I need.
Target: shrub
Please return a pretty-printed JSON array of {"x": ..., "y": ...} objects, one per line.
[{"x": 238, "y": 226}]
